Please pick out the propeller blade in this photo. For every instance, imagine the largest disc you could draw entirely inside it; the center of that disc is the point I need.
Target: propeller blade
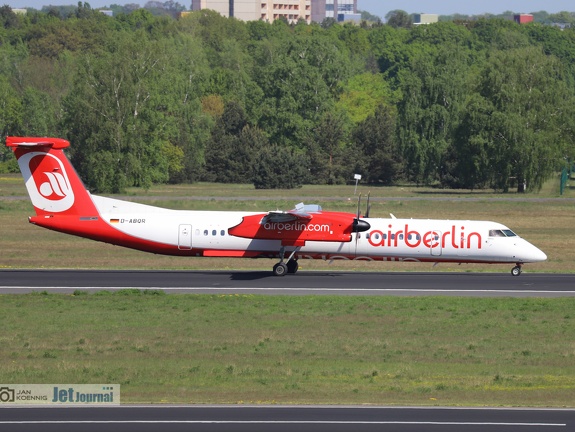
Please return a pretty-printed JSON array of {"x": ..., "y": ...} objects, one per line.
[
  {"x": 368, "y": 206},
  {"x": 358, "y": 224},
  {"x": 355, "y": 225}
]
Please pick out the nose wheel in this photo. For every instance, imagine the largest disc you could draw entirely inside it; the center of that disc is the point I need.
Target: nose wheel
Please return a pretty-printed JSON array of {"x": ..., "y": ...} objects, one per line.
[{"x": 516, "y": 271}]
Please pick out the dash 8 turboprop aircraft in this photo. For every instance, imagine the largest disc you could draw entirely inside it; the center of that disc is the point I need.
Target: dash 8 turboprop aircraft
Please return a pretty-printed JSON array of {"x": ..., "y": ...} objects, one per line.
[{"x": 63, "y": 204}]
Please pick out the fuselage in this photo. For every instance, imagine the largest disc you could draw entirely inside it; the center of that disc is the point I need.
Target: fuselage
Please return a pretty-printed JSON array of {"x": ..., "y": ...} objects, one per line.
[{"x": 206, "y": 233}]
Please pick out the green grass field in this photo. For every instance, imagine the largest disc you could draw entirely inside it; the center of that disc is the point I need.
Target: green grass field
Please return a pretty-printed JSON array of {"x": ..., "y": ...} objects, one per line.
[{"x": 294, "y": 350}]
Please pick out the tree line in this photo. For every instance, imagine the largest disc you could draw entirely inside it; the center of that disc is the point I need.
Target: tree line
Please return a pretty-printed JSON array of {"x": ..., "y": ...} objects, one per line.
[{"x": 150, "y": 99}]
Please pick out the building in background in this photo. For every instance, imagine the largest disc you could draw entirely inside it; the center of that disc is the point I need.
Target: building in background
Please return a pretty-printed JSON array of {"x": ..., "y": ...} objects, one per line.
[
  {"x": 291, "y": 10},
  {"x": 318, "y": 10},
  {"x": 340, "y": 10},
  {"x": 523, "y": 18},
  {"x": 252, "y": 10},
  {"x": 424, "y": 18}
]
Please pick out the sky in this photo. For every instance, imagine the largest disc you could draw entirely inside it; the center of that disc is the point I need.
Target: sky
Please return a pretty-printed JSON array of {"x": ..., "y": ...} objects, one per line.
[
  {"x": 478, "y": 7},
  {"x": 376, "y": 7}
]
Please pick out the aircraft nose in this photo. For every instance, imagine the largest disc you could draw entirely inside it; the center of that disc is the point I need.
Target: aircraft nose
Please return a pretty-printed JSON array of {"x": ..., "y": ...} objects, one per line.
[
  {"x": 530, "y": 253},
  {"x": 539, "y": 255}
]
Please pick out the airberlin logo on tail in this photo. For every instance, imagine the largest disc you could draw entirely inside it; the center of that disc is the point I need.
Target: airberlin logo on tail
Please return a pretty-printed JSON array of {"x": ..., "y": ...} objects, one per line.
[{"x": 47, "y": 181}]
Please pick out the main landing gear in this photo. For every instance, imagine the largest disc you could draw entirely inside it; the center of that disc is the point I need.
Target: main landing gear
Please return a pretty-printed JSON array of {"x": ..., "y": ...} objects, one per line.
[
  {"x": 516, "y": 271},
  {"x": 290, "y": 266}
]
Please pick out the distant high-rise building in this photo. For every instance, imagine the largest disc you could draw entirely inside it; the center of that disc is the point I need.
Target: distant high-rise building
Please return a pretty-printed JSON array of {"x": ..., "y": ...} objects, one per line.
[
  {"x": 340, "y": 10},
  {"x": 318, "y": 10},
  {"x": 251, "y": 10}
]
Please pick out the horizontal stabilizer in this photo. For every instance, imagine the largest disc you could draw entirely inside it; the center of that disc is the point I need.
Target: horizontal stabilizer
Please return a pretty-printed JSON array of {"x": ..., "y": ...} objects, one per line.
[{"x": 31, "y": 142}]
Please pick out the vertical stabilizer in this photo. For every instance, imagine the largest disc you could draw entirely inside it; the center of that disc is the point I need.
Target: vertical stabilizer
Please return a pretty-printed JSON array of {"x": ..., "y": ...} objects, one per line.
[{"x": 53, "y": 185}]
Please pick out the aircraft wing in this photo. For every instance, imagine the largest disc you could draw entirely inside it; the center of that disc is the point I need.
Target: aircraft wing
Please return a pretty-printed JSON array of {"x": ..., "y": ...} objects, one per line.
[{"x": 296, "y": 226}]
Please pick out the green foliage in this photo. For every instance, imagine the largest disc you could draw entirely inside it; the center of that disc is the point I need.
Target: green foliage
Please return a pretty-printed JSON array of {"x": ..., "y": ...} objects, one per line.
[
  {"x": 377, "y": 154},
  {"x": 363, "y": 93},
  {"x": 434, "y": 89},
  {"x": 279, "y": 168},
  {"x": 8, "y": 166},
  {"x": 528, "y": 107},
  {"x": 328, "y": 155},
  {"x": 147, "y": 99},
  {"x": 399, "y": 18},
  {"x": 234, "y": 147}
]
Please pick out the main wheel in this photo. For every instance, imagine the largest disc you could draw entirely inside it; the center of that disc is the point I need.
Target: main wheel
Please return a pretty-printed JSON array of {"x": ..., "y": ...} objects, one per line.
[
  {"x": 516, "y": 271},
  {"x": 292, "y": 266},
  {"x": 280, "y": 269}
]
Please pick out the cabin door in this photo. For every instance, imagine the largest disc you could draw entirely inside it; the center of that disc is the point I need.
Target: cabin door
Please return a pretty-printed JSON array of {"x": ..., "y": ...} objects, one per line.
[
  {"x": 435, "y": 243},
  {"x": 185, "y": 237}
]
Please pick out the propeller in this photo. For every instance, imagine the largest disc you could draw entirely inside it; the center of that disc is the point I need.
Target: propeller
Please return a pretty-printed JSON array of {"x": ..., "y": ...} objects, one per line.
[{"x": 360, "y": 225}]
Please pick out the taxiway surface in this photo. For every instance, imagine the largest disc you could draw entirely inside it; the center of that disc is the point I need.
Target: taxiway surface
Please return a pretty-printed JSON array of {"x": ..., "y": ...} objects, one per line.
[
  {"x": 277, "y": 418},
  {"x": 302, "y": 283}
]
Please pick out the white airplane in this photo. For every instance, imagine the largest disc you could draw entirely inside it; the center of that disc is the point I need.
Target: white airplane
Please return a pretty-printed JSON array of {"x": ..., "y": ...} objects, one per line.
[{"x": 63, "y": 204}]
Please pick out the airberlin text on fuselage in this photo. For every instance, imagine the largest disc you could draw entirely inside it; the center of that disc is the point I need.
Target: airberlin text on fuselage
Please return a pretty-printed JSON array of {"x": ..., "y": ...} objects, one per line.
[
  {"x": 458, "y": 239},
  {"x": 295, "y": 226}
]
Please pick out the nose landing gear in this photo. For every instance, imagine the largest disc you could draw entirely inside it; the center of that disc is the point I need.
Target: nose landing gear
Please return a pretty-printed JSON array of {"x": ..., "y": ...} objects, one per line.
[{"x": 516, "y": 271}]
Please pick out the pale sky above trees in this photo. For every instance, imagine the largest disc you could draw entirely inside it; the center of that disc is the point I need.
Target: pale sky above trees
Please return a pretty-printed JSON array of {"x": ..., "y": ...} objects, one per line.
[
  {"x": 376, "y": 7},
  {"x": 449, "y": 7}
]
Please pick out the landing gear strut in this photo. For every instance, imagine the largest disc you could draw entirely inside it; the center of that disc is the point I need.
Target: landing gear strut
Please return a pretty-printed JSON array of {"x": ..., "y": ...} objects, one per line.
[
  {"x": 291, "y": 266},
  {"x": 516, "y": 271}
]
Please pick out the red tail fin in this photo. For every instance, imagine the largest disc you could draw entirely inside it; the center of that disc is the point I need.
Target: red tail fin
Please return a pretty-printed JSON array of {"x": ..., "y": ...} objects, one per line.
[{"x": 53, "y": 184}]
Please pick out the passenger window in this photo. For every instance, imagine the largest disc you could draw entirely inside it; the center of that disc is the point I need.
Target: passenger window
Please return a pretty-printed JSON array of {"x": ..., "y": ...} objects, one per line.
[
  {"x": 205, "y": 232},
  {"x": 222, "y": 233},
  {"x": 214, "y": 232}
]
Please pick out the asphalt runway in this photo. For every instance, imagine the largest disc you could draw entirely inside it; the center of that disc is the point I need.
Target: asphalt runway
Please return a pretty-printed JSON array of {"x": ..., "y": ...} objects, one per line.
[
  {"x": 277, "y": 418},
  {"x": 302, "y": 283}
]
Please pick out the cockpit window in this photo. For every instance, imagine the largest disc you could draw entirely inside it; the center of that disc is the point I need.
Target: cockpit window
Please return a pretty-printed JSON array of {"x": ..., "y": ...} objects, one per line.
[{"x": 502, "y": 233}]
